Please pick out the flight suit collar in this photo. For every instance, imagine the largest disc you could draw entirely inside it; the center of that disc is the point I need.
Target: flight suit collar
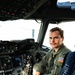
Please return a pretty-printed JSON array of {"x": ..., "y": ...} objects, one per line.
[{"x": 60, "y": 49}]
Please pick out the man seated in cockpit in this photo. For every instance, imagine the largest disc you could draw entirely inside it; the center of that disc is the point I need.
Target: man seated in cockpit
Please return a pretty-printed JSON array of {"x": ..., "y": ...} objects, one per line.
[{"x": 51, "y": 63}]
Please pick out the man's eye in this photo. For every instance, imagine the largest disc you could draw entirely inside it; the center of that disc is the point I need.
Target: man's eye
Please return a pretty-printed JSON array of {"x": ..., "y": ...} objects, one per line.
[
  {"x": 56, "y": 37},
  {"x": 53, "y": 37},
  {"x": 50, "y": 37}
]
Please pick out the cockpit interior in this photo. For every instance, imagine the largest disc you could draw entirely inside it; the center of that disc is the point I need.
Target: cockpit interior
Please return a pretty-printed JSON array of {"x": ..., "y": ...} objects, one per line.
[{"x": 19, "y": 55}]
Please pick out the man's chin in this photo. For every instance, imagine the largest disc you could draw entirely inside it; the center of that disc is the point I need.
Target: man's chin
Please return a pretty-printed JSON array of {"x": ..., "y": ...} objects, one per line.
[{"x": 54, "y": 46}]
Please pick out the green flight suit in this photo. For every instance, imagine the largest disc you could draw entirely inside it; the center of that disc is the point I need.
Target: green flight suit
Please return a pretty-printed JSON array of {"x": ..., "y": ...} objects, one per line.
[{"x": 51, "y": 63}]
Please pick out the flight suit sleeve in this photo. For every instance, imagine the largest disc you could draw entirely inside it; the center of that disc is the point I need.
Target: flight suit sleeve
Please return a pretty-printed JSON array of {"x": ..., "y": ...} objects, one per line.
[{"x": 41, "y": 66}]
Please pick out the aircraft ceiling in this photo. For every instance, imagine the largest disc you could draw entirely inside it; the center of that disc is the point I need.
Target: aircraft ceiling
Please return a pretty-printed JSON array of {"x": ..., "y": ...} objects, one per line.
[{"x": 34, "y": 9}]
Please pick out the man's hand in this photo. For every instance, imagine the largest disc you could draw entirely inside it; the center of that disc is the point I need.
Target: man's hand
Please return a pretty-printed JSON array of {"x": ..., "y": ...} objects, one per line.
[{"x": 37, "y": 73}]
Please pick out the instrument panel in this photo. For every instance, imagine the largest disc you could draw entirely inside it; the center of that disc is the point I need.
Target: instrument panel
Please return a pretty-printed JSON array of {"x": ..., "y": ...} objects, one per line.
[{"x": 19, "y": 56}]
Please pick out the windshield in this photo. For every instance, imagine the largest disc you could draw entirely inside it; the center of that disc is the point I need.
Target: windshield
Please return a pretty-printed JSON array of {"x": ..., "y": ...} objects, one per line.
[
  {"x": 69, "y": 36},
  {"x": 19, "y": 29}
]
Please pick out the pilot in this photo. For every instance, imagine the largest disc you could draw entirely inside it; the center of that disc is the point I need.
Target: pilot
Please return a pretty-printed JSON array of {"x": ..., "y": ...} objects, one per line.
[{"x": 51, "y": 63}]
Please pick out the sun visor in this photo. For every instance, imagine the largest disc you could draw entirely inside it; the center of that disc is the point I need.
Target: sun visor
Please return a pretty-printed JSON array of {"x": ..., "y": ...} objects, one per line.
[{"x": 66, "y": 4}]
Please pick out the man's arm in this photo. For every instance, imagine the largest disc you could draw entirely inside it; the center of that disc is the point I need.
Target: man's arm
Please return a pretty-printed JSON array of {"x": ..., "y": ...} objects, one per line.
[{"x": 35, "y": 68}]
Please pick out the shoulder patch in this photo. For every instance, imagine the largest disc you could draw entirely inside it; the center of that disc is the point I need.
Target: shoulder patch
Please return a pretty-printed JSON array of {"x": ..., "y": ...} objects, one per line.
[{"x": 60, "y": 59}]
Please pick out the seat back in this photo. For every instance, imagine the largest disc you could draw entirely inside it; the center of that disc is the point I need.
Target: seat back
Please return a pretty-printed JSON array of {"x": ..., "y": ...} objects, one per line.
[
  {"x": 73, "y": 73},
  {"x": 69, "y": 65}
]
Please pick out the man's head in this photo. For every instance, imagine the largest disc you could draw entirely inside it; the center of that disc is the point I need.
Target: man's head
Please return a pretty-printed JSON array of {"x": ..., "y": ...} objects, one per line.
[{"x": 56, "y": 37}]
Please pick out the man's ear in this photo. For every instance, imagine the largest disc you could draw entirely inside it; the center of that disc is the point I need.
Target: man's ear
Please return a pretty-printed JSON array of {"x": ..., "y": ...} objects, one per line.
[{"x": 62, "y": 38}]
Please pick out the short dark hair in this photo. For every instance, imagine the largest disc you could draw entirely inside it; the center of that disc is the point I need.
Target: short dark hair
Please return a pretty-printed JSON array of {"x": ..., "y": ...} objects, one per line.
[{"x": 61, "y": 32}]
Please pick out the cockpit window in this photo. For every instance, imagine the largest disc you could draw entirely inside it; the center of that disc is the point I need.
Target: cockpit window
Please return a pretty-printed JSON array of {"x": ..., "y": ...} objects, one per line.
[
  {"x": 69, "y": 36},
  {"x": 19, "y": 29}
]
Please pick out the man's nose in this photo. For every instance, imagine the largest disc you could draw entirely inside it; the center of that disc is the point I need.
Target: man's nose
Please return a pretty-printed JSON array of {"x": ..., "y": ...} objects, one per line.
[{"x": 52, "y": 40}]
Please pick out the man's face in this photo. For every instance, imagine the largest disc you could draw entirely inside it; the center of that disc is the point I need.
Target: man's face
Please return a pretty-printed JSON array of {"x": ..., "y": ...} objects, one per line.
[{"x": 55, "y": 39}]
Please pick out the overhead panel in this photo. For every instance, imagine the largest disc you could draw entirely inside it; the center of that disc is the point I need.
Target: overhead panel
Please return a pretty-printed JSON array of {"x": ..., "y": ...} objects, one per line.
[{"x": 18, "y": 9}]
